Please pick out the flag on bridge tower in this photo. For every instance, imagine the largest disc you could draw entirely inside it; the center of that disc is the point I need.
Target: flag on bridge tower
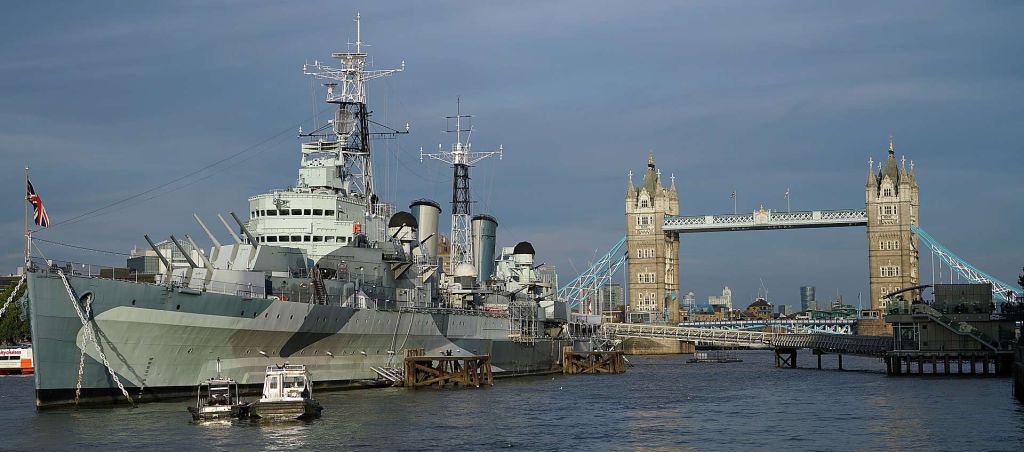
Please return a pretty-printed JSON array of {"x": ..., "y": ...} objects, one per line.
[
  {"x": 39, "y": 212},
  {"x": 733, "y": 195}
]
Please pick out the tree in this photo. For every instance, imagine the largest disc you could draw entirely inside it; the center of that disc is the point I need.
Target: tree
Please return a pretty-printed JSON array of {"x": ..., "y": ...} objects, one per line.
[{"x": 13, "y": 328}]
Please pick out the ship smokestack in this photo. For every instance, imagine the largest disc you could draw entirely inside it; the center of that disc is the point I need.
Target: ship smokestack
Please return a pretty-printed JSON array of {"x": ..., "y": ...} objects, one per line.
[
  {"x": 485, "y": 229},
  {"x": 426, "y": 213}
]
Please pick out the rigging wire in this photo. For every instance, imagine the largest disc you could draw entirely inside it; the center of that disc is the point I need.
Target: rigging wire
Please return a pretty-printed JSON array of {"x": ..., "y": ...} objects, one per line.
[
  {"x": 90, "y": 213},
  {"x": 37, "y": 239}
]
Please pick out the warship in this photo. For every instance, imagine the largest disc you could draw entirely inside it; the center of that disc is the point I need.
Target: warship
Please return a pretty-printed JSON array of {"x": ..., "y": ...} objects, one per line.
[{"x": 324, "y": 274}]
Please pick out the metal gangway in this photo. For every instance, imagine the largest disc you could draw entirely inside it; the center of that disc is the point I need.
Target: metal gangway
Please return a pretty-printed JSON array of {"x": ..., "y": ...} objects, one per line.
[
  {"x": 824, "y": 326},
  {"x": 832, "y": 343}
]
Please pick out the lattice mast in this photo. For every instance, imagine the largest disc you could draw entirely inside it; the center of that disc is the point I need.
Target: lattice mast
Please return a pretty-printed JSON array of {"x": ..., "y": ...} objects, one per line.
[
  {"x": 461, "y": 157},
  {"x": 346, "y": 87}
]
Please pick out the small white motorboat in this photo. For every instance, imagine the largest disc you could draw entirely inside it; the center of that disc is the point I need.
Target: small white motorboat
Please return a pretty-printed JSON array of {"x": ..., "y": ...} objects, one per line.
[
  {"x": 217, "y": 399},
  {"x": 287, "y": 395}
]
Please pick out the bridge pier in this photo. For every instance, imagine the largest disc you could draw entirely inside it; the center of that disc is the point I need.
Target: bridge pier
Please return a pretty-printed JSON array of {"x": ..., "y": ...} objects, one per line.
[
  {"x": 977, "y": 364},
  {"x": 786, "y": 357}
]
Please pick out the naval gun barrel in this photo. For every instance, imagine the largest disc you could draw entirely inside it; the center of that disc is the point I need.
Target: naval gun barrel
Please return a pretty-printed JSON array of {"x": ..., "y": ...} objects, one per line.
[
  {"x": 158, "y": 254},
  {"x": 206, "y": 262},
  {"x": 252, "y": 240},
  {"x": 234, "y": 236},
  {"x": 216, "y": 243},
  {"x": 184, "y": 253}
]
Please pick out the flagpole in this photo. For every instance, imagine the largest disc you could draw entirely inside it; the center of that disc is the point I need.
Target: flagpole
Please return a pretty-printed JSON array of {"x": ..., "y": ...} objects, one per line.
[
  {"x": 27, "y": 240},
  {"x": 734, "y": 196}
]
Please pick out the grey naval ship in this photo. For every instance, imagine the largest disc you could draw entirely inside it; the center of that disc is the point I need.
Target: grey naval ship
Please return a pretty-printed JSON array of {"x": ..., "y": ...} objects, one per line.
[{"x": 324, "y": 274}]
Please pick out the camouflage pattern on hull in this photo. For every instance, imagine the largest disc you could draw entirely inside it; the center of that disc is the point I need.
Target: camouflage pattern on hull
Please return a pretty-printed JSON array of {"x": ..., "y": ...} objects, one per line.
[{"x": 162, "y": 341}]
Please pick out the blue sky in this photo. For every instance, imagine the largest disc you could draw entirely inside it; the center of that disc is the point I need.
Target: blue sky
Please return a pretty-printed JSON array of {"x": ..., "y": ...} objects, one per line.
[{"x": 108, "y": 100}]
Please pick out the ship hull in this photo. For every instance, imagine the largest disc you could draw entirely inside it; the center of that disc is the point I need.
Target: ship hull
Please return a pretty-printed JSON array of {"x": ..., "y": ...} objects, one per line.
[{"x": 160, "y": 341}]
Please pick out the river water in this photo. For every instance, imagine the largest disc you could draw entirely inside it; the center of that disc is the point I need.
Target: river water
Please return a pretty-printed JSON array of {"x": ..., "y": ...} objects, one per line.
[{"x": 661, "y": 402}]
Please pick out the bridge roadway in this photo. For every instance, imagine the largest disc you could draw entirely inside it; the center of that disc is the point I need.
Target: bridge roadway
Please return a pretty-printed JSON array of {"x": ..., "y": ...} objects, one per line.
[{"x": 830, "y": 343}]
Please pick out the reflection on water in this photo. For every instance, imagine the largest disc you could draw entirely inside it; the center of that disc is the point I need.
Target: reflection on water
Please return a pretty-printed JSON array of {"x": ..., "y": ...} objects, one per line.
[{"x": 661, "y": 402}]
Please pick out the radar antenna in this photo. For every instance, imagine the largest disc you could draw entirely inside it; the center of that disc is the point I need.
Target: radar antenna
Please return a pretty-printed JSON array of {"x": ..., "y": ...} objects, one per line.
[
  {"x": 348, "y": 144},
  {"x": 461, "y": 157}
]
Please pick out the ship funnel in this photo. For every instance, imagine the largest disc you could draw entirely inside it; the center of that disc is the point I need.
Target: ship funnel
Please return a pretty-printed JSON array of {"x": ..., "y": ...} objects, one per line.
[
  {"x": 485, "y": 229},
  {"x": 426, "y": 213}
]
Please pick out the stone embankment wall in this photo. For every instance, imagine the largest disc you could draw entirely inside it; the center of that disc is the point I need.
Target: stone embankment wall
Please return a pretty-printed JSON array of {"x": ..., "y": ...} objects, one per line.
[{"x": 649, "y": 346}]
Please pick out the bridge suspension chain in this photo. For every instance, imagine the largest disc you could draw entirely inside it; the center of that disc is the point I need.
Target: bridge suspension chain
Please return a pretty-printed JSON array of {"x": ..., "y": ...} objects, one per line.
[
  {"x": 964, "y": 268},
  {"x": 594, "y": 277},
  {"x": 10, "y": 298},
  {"x": 91, "y": 335}
]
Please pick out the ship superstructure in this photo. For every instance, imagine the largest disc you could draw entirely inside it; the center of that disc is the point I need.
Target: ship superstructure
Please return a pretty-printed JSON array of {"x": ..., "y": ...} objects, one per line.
[
  {"x": 324, "y": 274},
  {"x": 333, "y": 200}
]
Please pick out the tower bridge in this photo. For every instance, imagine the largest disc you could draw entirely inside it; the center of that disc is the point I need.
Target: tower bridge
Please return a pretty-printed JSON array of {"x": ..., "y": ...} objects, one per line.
[
  {"x": 654, "y": 225},
  {"x": 649, "y": 252}
]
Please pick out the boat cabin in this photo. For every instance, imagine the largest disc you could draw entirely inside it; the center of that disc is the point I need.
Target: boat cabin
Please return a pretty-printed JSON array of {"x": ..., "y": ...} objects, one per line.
[
  {"x": 287, "y": 382},
  {"x": 217, "y": 391}
]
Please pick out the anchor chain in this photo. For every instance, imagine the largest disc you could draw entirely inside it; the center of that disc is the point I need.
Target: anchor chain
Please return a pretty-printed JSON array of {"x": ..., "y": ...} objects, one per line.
[
  {"x": 11, "y": 297},
  {"x": 91, "y": 335},
  {"x": 81, "y": 356}
]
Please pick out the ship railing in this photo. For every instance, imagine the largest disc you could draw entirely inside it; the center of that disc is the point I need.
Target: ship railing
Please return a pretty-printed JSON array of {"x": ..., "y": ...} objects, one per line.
[
  {"x": 245, "y": 290},
  {"x": 88, "y": 270},
  {"x": 456, "y": 311}
]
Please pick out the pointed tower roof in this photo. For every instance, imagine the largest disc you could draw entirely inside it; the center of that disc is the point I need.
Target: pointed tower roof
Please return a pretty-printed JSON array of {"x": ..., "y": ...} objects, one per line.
[
  {"x": 872, "y": 180},
  {"x": 890, "y": 169},
  {"x": 630, "y": 189}
]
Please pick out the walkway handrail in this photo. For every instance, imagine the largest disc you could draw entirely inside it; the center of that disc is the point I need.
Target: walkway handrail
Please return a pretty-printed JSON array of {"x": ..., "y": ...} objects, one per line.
[{"x": 858, "y": 345}]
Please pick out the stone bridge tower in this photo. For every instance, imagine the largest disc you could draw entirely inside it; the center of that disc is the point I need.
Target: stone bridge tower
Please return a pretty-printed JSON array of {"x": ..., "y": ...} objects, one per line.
[
  {"x": 891, "y": 198},
  {"x": 653, "y": 261}
]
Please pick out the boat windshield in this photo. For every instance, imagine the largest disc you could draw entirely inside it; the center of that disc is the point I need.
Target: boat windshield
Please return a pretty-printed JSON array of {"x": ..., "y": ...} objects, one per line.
[
  {"x": 294, "y": 386},
  {"x": 220, "y": 395}
]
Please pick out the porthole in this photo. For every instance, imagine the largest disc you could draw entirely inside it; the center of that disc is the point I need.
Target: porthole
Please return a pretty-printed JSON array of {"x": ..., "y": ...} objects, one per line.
[
  {"x": 133, "y": 302},
  {"x": 242, "y": 314},
  {"x": 177, "y": 308},
  {"x": 255, "y": 314},
  {"x": 291, "y": 317},
  {"x": 266, "y": 315}
]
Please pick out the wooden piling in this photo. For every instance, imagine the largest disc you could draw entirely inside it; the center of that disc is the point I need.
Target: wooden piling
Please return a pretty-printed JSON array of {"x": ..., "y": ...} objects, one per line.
[
  {"x": 597, "y": 362},
  {"x": 442, "y": 371}
]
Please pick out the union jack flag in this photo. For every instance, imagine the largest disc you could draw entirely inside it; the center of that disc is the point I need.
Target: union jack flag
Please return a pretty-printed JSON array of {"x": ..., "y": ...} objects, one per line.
[
  {"x": 39, "y": 213},
  {"x": 733, "y": 195}
]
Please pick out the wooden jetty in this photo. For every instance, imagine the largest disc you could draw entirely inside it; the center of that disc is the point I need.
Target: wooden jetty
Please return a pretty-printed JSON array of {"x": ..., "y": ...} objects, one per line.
[
  {"x": 600, "y": 362},
  {"x": 443, "y": 371}
]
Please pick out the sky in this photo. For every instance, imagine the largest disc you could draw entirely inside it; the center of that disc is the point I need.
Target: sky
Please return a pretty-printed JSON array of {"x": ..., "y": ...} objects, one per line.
[{"x": 122, "y": 102}]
